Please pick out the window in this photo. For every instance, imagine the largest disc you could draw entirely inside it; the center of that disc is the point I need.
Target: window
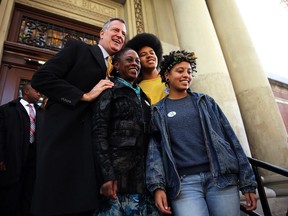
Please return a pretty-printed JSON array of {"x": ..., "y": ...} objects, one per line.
[
  {"x": 49, "y": 36},
  {"x": 42, "y": 29}
]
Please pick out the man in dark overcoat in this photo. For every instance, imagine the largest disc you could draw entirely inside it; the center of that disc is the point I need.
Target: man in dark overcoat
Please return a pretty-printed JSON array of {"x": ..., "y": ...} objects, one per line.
[
  {"x": 18, "y": 153},
  {"x": 66, "y": 182}
]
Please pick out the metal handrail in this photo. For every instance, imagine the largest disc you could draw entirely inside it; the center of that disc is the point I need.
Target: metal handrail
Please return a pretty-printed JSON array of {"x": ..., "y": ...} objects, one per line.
[
  {"x": 261, "y": 191},
  {"x": 252, "y": 213},
  {"x": 268, "y": 166}
]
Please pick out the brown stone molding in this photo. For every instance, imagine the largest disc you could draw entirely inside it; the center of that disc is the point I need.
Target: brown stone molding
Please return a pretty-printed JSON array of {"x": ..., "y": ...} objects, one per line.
[
  {"x": 25, "y": 56},
  {"x": 139, "y": 16},
  {"x": 95, "y": 10}
]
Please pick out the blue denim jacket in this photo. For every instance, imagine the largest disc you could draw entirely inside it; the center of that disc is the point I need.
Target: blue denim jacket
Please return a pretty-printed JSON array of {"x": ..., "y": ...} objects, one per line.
[{"x": 228, "y": 162}]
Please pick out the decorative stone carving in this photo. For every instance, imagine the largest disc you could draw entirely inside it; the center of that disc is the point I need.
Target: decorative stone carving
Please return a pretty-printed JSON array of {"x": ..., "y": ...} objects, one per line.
[
  {"x": 138, "y": 16},
  {"x": 94, "y": 12}
]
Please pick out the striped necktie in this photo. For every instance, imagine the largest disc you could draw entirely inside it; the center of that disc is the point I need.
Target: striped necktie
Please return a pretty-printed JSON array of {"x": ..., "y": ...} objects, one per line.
[{"x": 32, "y": 122}]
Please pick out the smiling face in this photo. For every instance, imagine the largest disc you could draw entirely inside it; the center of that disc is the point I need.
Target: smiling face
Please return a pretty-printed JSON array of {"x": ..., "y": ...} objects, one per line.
[
  {"x": 128, "y": 65},
  {"x": 180, "y": 77},
  {"x": 112, "y": 38},
  {"x": 148, "y": 58}
]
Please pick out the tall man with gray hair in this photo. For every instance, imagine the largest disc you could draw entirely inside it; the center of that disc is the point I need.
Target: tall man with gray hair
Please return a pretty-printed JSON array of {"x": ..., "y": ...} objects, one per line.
[{"x": 67, "y": 181}]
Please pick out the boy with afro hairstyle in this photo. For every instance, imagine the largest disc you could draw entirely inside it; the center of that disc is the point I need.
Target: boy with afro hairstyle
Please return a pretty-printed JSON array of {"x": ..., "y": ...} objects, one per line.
[{"x": 150, "y": 51}]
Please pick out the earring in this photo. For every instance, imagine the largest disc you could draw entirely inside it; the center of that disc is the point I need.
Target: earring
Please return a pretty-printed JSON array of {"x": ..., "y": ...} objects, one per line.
[{"x": 167, "y": 83}]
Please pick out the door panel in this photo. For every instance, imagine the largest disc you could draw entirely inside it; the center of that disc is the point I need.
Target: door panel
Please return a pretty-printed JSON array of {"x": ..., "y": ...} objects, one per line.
[{"x": 14, "y": 78}]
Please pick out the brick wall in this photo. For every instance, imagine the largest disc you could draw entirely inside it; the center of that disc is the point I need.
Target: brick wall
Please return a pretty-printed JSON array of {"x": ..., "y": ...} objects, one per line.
[{"x": 280, "y": 91}]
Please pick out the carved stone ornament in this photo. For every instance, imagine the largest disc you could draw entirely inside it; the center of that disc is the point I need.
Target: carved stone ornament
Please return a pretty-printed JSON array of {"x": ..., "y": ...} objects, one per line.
[
  {"x": 139, "y": 16},
  {"x": 94, "y": 12}
]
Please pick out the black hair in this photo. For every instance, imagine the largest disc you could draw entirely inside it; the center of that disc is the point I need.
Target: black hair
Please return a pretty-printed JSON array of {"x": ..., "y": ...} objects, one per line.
[
  {"x": 116, "y": 58},
  {"x": 174, "y": 58},
  {"x": 146, "y": 39}
]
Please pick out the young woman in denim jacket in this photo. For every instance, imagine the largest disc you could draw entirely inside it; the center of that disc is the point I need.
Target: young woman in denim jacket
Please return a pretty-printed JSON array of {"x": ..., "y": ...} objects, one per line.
[
  {"x": 194, "y": 158},
  {"x": 121, "y": 120}
]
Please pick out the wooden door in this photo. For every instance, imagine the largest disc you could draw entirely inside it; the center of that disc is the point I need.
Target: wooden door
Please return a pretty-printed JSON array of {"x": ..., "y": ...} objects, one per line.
[
  {"x": 12, "y": 79},
  {"x": 19, "y": 63}
]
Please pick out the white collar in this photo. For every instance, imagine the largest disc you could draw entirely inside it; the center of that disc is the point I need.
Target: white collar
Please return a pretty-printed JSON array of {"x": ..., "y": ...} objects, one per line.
[
  {"x": 105, "y": 53},
  {"x": 24, "y": 102}
]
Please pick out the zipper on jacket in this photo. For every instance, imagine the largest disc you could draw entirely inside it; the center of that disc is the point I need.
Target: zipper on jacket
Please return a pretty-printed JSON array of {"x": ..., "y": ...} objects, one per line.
[
  {"x": 205, "y": 138},
  {"x": 169, "y": 156}
]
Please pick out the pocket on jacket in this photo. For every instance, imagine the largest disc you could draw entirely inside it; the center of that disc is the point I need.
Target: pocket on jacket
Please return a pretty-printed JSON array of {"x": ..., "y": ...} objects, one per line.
[{"x": 226, "y": 156}]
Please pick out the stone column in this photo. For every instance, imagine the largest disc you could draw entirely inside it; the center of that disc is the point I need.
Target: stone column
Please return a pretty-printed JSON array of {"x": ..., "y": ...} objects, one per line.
[
  {"x": 262, "y": 119},
  {"x": 6, "y": 8},
  {"x": 196, "y": 33}
]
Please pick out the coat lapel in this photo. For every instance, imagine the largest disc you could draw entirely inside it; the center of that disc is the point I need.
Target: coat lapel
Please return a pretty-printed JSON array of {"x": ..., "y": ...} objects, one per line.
[{"x": 98, "y": 55}]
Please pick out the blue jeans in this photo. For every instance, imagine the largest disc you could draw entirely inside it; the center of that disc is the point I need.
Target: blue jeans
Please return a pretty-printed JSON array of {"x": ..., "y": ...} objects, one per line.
[{"x": 199, "y": 196}]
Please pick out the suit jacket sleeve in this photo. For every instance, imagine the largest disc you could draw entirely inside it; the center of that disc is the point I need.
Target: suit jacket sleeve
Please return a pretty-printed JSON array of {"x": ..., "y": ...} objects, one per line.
[{"x": 51, "y": 79}]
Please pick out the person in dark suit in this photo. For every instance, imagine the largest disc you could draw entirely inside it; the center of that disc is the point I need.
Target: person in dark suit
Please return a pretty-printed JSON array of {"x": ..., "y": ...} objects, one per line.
[
  {"x": 66, "y": 177},
  {"x": 18, "y": 153}
]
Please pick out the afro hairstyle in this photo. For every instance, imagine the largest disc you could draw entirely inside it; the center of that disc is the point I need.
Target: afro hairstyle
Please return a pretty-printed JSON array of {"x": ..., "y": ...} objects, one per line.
[
  {"x": 174, "y": 58},
  {"x": 146, "y": 39}
]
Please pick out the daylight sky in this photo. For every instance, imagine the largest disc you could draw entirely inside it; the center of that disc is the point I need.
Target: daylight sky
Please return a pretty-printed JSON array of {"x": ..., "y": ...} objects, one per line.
[{"x": 267, "y": 23}]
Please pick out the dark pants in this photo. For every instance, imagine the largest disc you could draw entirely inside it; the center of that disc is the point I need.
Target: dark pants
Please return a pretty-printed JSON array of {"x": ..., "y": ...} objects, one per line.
[{"x": 15, "y": 199}]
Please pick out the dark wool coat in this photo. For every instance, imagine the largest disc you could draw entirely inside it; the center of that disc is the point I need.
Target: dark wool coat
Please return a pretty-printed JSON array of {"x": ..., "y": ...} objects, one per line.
[
  {"x": 120, "y": 136},
  {"x": 14, "y": 140},
  {"x": 66, "y": 179}
]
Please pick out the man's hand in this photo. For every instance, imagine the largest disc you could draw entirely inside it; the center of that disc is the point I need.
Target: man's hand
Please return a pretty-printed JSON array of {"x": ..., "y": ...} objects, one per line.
[
  {"x": 97, "y": 90},
  {"x": 161, "y": 201},
  {"x": 109, "y": 189}
]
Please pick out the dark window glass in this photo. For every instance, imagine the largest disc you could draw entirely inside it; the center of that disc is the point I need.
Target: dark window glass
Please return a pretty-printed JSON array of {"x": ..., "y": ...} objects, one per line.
[{"x": 44, "y": 35}]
